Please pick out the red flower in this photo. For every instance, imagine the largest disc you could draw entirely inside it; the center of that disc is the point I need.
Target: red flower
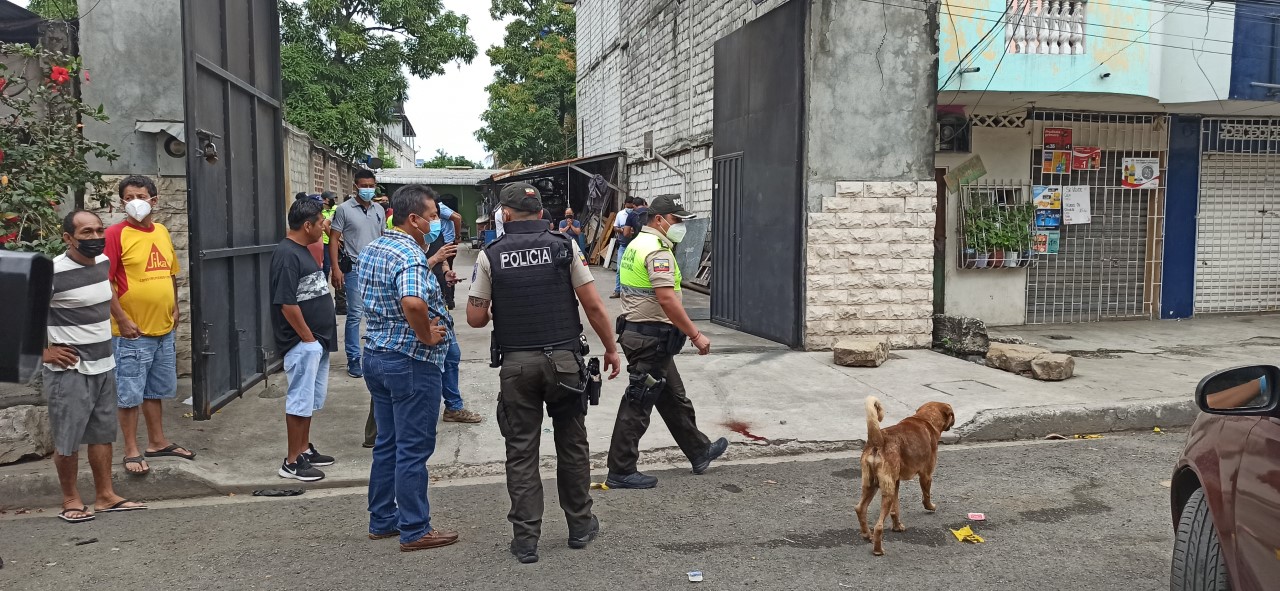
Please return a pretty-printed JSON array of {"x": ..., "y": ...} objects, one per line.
[
  {"x": 86, "y": 76},
  {"x": 3, "y": 83},
  {"x": 59, "y": 75}
]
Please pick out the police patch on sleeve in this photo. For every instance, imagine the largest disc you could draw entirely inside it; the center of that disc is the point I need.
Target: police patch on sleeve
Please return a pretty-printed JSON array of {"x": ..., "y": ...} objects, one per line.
[
  {"x": 475, "y": 271},
  {"x": 661, "y": 265}
]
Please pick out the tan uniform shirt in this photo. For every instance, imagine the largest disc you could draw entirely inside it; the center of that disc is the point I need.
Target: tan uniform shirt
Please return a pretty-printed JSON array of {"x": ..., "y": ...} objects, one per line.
[
  {"x": 482, "y": 277},
  {"x": 641, "y": 305}
]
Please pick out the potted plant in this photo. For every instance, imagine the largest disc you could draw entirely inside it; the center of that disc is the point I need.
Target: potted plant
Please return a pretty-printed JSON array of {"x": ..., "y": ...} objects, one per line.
[
  {"x": 977, "y": 249},
  {"x": 1017, "y": 223}
]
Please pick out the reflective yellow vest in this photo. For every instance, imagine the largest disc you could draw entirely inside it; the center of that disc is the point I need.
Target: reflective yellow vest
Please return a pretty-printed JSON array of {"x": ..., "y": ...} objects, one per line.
[{"x": 634, "y": 273}]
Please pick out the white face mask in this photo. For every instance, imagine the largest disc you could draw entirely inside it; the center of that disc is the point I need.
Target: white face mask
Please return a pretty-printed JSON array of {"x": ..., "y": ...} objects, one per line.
[
  {"x": 138, "y": 209},
  {"x": 676, "y": 232}
]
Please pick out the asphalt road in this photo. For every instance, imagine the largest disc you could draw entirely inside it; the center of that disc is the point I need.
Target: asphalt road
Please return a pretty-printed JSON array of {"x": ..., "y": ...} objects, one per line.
[{"x": 1084, "y": 514}]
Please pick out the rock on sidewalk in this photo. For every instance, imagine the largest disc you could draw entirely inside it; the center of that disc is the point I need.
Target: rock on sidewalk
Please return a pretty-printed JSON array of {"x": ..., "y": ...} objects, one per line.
[
  {"x": 1053, "y": 367},
  {"x": 1013, "y": 358},
  {"x": 24, "y": 433},
  {"x": 861, "y": 353},
  {"x": 960, "y": 335}
]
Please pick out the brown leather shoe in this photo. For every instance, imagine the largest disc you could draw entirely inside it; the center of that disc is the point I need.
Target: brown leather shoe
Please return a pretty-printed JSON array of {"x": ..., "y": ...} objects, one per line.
[
  {"x": 433, "y": 539},
  {"x": 390, "y": 534},
  {"x": 462, "y": 415}
]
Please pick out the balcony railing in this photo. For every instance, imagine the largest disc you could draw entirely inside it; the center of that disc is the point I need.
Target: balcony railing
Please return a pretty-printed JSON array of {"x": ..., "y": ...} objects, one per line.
[{"x": 1045, "y": 27}]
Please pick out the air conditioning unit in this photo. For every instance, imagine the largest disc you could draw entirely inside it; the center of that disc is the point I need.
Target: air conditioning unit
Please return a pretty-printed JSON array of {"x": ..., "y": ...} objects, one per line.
[{"x": 953, "y": 133}]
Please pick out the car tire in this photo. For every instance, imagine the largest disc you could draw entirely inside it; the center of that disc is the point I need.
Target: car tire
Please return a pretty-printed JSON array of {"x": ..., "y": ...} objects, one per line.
[{"x": 1197, "y": 551}]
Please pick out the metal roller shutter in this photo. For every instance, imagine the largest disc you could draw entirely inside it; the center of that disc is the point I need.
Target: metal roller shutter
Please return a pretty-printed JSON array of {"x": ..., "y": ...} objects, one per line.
[{"x": 1238, "y": 234}]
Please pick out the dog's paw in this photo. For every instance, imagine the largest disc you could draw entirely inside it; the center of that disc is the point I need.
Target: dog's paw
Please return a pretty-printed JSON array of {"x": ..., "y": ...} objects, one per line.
[
  {"x": 899, "y": 527},
  {"x": 878, "y": 552},
  {"x": 866, "y": 537},
  {"x": 931, "y": 507}
]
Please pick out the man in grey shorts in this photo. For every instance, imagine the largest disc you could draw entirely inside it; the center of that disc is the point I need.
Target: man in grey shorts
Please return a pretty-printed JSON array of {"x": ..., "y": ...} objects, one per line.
[{"x": 79, "y": 376}]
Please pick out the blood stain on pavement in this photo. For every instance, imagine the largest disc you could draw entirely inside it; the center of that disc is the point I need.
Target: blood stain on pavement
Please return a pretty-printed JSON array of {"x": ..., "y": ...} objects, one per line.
[{"x": 742, "y": 428}]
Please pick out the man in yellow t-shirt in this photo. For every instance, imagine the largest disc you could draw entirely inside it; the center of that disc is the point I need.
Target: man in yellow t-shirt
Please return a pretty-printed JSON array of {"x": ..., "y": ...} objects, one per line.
[{"x": 144, "y": 275}]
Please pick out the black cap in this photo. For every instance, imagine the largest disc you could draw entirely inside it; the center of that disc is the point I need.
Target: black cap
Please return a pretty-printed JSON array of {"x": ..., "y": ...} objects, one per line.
[
  {"x": 521, "y": 197},
  {"x": 669, "y": 205}
]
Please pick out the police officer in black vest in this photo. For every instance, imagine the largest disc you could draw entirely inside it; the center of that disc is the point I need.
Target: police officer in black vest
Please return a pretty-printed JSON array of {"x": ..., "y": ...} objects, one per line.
[{"x": 526, "y": 281}]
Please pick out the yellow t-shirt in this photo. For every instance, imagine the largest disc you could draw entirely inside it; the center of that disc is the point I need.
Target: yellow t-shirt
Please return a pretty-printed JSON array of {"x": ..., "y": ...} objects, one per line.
[{"x": 143, "y": 265}]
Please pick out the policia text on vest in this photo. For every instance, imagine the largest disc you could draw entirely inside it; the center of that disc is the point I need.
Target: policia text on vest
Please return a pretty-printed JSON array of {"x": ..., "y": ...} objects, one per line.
[{"x": 530, "y": 282}]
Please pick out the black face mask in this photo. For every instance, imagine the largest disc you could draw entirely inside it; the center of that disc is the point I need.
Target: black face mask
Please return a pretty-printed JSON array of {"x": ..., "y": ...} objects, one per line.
[{"x": 91, "y": 247}]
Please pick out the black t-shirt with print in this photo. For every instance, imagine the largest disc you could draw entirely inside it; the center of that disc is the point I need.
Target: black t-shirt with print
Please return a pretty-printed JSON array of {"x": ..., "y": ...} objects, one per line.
[{"x": 296, "y": 279}]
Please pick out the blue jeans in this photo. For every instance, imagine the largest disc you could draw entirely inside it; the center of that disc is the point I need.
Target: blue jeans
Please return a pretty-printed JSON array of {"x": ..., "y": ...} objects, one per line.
[
  {"x": 452, "y": 363},
  {"x": 618, "y": 258},
  {"x": 146, "y": 368},
  {"x": 355, "y": 310},
  {"x": 406, "y": 406}
]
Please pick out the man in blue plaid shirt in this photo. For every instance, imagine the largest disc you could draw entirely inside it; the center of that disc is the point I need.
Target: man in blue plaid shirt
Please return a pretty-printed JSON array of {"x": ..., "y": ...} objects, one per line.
[{"x": 409, "y": 333}]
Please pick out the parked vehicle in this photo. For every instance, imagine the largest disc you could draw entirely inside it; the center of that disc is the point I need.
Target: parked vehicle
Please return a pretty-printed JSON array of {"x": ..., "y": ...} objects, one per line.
[{"x": 1225, "y": 492}]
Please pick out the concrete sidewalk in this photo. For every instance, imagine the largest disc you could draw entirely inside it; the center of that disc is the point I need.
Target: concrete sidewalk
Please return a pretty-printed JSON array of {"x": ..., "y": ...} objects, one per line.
[{"x": 767, "y": 399}]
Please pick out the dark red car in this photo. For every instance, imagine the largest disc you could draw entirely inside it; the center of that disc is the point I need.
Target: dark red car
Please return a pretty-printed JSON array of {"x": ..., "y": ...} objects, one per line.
[{"x": 1226, "y": 487}]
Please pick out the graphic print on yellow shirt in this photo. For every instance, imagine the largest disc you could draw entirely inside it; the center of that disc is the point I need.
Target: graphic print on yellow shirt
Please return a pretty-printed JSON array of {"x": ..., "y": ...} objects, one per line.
[{"x": 143, "y": 264}]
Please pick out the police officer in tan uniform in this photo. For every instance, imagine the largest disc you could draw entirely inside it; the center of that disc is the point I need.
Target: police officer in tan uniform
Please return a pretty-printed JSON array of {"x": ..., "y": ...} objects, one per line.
[
  {"x": 533, "y": 281},
  {"x": 652, "y": 329}
]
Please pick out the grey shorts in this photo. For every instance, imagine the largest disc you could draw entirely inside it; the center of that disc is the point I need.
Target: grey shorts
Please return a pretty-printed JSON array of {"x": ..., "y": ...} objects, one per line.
[{"x": 82, "y": 409}]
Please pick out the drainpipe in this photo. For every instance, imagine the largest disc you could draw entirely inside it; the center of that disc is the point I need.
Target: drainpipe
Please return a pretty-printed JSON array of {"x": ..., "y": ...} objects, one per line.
[{"x": 684, "y": 179}]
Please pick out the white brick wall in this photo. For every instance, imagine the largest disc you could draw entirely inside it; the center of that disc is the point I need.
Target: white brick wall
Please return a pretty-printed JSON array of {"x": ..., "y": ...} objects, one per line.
[
  {"x": 870, "y": 264},
  {"x": 599, "y": 104}
]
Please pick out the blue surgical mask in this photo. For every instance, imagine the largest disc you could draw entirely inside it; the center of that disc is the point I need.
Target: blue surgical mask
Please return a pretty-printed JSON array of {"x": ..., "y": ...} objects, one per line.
[
  {"x": 434, "y": 233},
  {"x": 366, "y": 195}
]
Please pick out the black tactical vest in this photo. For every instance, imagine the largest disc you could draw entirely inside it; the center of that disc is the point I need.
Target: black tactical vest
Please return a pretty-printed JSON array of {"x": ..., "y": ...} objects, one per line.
[{"x": 533, "y": 301}]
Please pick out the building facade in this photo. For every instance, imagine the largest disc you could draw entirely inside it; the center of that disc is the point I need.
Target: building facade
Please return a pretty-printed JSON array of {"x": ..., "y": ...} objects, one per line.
[{"x": 1107, "y": 160}]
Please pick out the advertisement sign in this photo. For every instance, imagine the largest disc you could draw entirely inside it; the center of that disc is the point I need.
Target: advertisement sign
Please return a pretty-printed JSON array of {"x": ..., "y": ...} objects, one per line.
[
  {"x": 1086, "y": 158},
  {"x": 1140, "y": 173},
  {"x": 1048, "y": 218},
  {"x": 1057, "y": 162},
  {"x": 1057, "y": 139},
  {"x": 1047, "y": 196},
  {"x": 966, "y": 172},
  {"x": 1047, "y": 241},
  {"x": 1076, "y": 208}
]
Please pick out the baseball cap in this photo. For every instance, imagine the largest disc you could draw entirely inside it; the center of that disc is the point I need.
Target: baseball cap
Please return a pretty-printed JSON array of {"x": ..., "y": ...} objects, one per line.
[
  {"x": 521, "y": 197},
  {"x": 669, "y": 205}
]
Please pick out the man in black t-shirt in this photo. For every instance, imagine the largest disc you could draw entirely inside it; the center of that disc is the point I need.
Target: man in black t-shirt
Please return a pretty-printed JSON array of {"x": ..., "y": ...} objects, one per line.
[{"x": 305, "y": 327}]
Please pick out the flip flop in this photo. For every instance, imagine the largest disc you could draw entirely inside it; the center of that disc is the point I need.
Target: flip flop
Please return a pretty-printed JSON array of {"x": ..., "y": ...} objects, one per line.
[
  {"x": 169, "y": 452},
  {"x": 135, "y": 460},
  {"x": 118, "y": 507},
  {"x": 84, "y": 509}
]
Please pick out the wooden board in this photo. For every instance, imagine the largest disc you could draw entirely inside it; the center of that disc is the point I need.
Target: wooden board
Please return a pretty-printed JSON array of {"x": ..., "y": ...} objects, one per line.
[{"x": 602, "y": 243}]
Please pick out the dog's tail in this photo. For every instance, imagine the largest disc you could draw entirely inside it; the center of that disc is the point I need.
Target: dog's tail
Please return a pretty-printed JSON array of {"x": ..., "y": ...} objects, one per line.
[{"x": 875, "y": 414}]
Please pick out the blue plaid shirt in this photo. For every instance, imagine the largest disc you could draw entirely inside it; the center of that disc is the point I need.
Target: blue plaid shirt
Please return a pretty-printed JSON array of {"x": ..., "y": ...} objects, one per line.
[{"x": 394, "y": 267}]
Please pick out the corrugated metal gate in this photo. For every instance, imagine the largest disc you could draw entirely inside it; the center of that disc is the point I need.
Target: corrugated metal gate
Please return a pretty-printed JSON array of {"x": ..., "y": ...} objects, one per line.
[
  {"x": 726, "y": 191},
  {"x": 1238, "y": 222},
  {"x": 235, "y": 179},
  {"x": 1109, "y": 268}
]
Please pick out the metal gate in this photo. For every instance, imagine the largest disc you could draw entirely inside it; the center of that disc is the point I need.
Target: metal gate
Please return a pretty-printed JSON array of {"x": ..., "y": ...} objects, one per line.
[
  {"x": 758, "y": 126},
  {"x": 1110, "y": 267},
  {"x": 1238, "y": 219},
  {"x": 726, "y": 192},
  {"x": 235, "y": 182}
]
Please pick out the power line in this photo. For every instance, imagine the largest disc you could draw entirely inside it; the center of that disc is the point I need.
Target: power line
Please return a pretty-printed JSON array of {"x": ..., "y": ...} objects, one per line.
[{"x": 1122, "y": 50}]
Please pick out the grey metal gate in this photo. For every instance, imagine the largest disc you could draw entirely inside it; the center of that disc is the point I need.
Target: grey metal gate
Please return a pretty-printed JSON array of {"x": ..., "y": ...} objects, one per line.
[
  {"x": 759, "y": 117},
  {"x": 235, "y": 185},
  {"x": 726, "y": 192}
]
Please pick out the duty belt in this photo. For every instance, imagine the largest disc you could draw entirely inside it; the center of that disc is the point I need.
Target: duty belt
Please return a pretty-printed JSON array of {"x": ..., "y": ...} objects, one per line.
[{"x": 649, "y": 329}]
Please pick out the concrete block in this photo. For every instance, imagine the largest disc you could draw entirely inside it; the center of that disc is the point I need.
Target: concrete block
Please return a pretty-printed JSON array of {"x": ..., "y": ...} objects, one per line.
[
  {"x": 837, "y": 204},
  {"x": 850, "y": 189},
  {"x": 1013, "y": 358},
  {"x": 877, "y": 190},
  {"x": 827, "y": 296},
  {"x": 861, "y": 352},
  {"x": 24, "y": 433},
  {"x": 878, "y": 205},
  {"x": 1053, "y": 367},
  {"x": 909, "y": 341},
  {"x": 925, "y": 204},
  {"x": 904, "y": 189},
  {"x": 960, "y": 335}
]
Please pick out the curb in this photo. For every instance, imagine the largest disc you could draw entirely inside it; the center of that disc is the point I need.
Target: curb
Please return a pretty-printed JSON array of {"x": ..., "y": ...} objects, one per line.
[{"x": 179, "y": 481}]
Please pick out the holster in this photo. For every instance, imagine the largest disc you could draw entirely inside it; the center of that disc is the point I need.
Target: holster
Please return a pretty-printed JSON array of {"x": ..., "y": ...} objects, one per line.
[
  {"x": 575, "y": 404},
  {"x": 644, "y": 390},
  {"x": 495, "y": 352},
  {"x": 344, "y": 262},
  {"x": 594, "y": 382}
]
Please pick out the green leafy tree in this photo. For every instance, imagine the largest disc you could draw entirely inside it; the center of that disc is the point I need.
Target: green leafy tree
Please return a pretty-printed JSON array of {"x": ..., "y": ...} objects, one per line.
[
  {"x": 64, "y": 10},
  {"x": 343, "y": 62},
  {"x": 531, "y": 117},
  {"x": 443, "y": 160},
  {"x": 388, "y": 161},
  {"x": 43, "y": 154}
]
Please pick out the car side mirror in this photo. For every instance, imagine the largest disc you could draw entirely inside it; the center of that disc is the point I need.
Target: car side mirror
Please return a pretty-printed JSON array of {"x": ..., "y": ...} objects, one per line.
[
  {"x": 27, "y": 280},
  {"x": 1242, "y": 391}
]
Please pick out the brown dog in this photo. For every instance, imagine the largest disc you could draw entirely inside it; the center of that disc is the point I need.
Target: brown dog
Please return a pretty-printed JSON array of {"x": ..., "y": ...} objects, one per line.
[{"x": 901, "y": 452}]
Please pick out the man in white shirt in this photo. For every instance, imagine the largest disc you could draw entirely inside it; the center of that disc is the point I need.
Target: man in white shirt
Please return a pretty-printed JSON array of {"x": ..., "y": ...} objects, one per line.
[{"x": 623, "y": 232}]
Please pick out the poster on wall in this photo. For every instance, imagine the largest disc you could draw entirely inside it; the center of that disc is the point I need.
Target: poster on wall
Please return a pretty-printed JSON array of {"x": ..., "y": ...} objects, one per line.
[
  {"x": 1056, "y": 162},
  {"x": 1076, "y": 208},
  {"x": 966, "y": 172},
  {"x": 1057, "y": 139},
  {"x": 1086, "y": 158},
  {"x": 1140, "y": 173},
  {"x": 1047, "y": 241},
  {"x": 1048, "y": 218},
  {"x": 1047, "y": 196}
]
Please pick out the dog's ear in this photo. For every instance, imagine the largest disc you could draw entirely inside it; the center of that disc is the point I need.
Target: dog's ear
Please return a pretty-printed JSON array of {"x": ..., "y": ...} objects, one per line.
[{"x": 950, "y": 415}]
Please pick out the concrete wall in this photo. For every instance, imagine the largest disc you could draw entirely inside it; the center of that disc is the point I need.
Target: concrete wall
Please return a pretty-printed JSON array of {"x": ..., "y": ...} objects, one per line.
[
  {"x": 600, "y": 56},
  {"x": 133, "y": 51},
  {"x": 997, "y": 296}
]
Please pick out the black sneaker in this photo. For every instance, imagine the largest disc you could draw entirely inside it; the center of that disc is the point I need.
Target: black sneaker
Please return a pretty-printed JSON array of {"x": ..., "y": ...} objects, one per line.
[
  {"x": 714, "y": 451},
  {"x": 354, "y": 374},
  {"x": 632, "y": 480},
  {"x": 316, "y": 458},
  {"x": 580, "y": 541},
  {"x": 300, "y": 470},
  {"x": 525, "y": 552}
]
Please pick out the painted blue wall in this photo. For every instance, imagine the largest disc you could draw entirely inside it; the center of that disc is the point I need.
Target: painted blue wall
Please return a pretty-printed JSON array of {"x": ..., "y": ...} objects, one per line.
[
  {"x": 1182, "y": 198},
  {"x": 1253, "y": 55}
]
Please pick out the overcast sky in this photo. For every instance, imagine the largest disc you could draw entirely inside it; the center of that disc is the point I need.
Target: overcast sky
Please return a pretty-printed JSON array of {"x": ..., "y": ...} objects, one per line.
[{"x": 445, "y": 110}]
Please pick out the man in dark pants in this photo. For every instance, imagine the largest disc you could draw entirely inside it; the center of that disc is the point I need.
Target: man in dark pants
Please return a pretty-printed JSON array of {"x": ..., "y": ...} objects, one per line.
[
  {"x": 653, "y": 326},
  {"x": 531, "y": 277}
]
